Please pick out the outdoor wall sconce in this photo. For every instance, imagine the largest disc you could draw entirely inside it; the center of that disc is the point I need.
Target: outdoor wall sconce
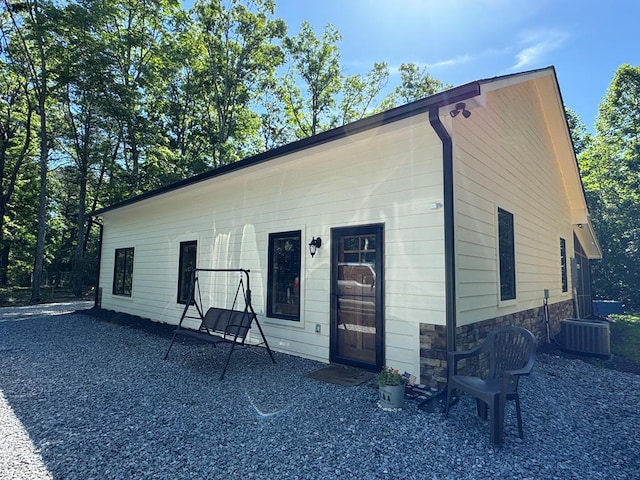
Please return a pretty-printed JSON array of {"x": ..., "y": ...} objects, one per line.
[
  {"x": 314, "y": 245},
  {"x": 460, "y": 107}
]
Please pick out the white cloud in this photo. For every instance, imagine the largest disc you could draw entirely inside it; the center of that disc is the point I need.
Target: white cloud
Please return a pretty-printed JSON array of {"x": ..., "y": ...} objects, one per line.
[
  {"x": 451, "y": 62},
  {"x": 536, "y": 47},
  {"x": 461, "y": 59}
]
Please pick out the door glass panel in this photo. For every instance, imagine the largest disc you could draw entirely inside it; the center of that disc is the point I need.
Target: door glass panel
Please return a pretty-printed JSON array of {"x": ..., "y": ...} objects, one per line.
[{"x": 356, "y": 298}]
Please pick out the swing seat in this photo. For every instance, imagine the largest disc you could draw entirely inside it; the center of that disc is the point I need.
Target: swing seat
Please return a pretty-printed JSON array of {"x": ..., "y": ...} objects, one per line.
[
  {"x": 228, "y": 324},
  {"x": 222, "y": 325}
]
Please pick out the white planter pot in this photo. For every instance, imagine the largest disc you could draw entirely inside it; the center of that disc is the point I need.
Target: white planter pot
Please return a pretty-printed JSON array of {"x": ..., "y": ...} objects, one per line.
[{"x": 391, "y": 396}]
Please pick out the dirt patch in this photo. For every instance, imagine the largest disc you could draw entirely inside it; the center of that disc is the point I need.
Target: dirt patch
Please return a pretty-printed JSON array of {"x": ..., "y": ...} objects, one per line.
[{"x": 131, "y": 321}]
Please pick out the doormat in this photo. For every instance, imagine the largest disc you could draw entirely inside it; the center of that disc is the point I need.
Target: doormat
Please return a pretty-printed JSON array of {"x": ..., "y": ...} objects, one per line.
[{"x": 341, "y": 375}]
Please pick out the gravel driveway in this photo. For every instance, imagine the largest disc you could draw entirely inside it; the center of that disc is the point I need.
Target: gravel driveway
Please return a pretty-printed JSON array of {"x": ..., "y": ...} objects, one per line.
[{"x": 85, "y": 399}]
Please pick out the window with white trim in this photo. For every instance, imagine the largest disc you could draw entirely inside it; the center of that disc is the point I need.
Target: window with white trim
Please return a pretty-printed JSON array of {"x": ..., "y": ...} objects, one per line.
[
  {"x": 123, "y": 272},
  {"x": 186, "y": 266},
  {"x": 283, "y": 291}
]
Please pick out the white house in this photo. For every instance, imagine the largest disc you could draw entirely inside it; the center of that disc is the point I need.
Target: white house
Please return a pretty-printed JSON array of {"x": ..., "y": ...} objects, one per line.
[{"x": 438, "y": 220}]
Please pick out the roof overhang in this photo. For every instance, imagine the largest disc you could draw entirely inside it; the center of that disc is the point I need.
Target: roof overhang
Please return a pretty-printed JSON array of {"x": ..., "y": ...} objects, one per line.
[
  {"x": 447, "y": 97},
  {"x": 588, "y": 240},
  {"x": 474, "y": 94}
]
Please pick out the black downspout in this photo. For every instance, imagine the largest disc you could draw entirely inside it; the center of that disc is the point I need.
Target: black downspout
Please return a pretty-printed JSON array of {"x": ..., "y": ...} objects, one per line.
[
  {"x": 96, "y": 294},
  {"x": 437, "y": 402},
  {"x": 449, "y": 226}
]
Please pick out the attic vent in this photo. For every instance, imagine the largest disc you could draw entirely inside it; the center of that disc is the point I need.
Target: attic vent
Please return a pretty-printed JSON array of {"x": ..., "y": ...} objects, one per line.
[{"x": 589, "y": 337}]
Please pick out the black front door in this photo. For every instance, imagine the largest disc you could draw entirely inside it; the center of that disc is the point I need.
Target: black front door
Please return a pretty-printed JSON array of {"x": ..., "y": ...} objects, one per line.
[{"x": 357, "y": 293}]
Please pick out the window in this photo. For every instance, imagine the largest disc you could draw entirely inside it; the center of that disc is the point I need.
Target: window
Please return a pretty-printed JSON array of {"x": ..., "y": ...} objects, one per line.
[
  {"x": 123, "y": 272},
  {"x": 563, "y": 264},
  {"x": 283, "y": 293},
  {"x": 506, "y": 252},
  {"x": 185, "y": 269}
]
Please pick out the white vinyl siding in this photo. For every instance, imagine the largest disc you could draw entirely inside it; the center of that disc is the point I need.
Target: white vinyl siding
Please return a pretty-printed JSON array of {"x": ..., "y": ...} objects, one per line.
[
  {"x": 388, "y": 175},
  {"x": 504, "y": 157}
]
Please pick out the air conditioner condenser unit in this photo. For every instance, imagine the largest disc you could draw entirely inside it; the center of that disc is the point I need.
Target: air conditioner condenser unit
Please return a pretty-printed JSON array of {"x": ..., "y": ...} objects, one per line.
[{"x": 586, "y": 336}]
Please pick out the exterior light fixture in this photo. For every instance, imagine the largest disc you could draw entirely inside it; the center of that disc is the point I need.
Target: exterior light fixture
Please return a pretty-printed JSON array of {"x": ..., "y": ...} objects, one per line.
[
  {"x": 314, "y": 245},
  {"x": 460, "y": 107}
]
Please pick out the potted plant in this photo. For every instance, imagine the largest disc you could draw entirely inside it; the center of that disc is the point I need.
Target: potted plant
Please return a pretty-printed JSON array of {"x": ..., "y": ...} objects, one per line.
[{"x": 390, "y": 388}]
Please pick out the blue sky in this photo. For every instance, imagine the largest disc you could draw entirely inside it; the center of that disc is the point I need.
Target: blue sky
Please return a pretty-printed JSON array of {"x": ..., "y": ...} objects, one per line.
[{"x": 464, "y": 40}]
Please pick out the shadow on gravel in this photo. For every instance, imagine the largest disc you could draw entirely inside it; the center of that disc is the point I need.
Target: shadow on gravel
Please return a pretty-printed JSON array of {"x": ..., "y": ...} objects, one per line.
[
  {"x": 131, "y": 321},
  {"x": 98, "y": 402}
]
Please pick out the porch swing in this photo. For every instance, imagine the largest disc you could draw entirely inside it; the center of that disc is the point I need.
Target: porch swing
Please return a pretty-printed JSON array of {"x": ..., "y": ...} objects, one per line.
[{"x": 221, "y": 325}]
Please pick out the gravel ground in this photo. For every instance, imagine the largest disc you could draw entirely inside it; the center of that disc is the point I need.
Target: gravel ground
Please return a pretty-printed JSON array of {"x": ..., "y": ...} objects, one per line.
[{"x": 81, "y": 398}]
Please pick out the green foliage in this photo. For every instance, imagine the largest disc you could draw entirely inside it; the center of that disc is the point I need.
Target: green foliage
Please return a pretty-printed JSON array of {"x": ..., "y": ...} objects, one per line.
[
  {"x": 578, "y": 130},
  {"x": 625, "y": 336},
  {"x": 359, "y": 92},
  {"x": 389, "y": 376},
  {"x": 415, "y": 83},
  {"x": 240, "y": 58},
  {"x": 105, "y": 100},
  {"x": 316, "y": 61},
  {"x": 610, "y": 169}
]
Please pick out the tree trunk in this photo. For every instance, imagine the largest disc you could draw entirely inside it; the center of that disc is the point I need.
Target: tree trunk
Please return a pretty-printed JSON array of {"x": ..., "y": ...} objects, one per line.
[
  {"x": 4, "y": 263},
  {"x": 38, "y": 267},
  {"x": 42, "y": 90},
  {"x": 8, "y": 182},
  {"x": 78, "y": 263}
]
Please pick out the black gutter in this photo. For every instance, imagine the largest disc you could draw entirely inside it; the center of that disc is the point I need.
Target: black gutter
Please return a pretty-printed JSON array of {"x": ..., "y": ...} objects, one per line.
[
  {"x": 437, "y": 402},
  {"x": 447, "y": 97},
  {"x": 449, "y": 216},
  {"x": 404, "y": 111},
  {"x": 449, "y": 227}
]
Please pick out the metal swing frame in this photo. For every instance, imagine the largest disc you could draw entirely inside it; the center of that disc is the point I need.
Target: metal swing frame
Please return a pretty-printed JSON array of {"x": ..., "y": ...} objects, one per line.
[{"x": 221, "y": 325}]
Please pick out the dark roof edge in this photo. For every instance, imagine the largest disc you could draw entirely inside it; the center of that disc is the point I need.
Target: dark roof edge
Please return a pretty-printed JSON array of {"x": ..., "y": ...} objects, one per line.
[
  {"x": 550, "y": 68},
  {"x": 398, "y": 113}
]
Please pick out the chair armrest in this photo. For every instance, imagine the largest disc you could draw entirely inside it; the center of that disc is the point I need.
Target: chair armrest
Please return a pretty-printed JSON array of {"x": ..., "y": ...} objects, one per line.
[
  {"x": 522, "y": 371},
  {"x": 454, "y": 357},
  {"x": 526, "y": 370}
]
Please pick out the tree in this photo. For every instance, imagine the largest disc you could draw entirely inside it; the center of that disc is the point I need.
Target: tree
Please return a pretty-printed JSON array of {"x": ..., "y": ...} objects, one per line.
[
  {"x": 185, "y": 118},
  {"x": 316, "y": 61},
  {"x": 139, "y": 39},
  {"x": 84, "y": 123},
  {"x": 359, "y": 92},
  {"x": 415, "y": 83},
  {"x": 31, "y": 22},
  {"x": 611, "y": 175},
  {"x": 578, "y": 130},
  {"x": 16, "y": 146},
  {"x": 241, "y": 58},
  {"x": 275, "y": 128}
]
